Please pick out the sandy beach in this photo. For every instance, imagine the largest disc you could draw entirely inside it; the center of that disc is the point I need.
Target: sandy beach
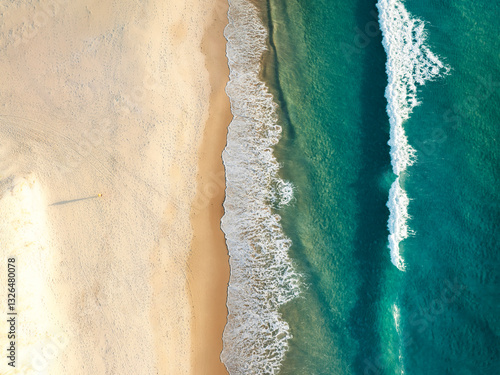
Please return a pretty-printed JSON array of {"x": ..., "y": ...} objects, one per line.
[
  {"x": 124, "y": 100},
  {"x": 208, "y": 265}
]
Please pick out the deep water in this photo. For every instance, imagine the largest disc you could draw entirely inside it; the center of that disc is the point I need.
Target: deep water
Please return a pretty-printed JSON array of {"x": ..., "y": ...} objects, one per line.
[{"x": 357, "y": 313}]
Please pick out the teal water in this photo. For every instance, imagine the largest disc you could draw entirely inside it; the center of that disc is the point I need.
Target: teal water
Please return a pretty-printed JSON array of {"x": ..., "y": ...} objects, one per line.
[
  {"x": 357, "y": 313},
  {"x": 334, "y": 150},
  {"x": 383, "y": 119},
  {"x": 455, "y": 191}
]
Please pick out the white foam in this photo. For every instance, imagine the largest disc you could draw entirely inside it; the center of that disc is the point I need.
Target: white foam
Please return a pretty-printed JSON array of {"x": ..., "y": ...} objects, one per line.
[
  {"x": 409, "y": 63},
  {"x": 262, "y": 276},
  {"x": 398, "y": 227},
  {"x": 397, "y": 317},
  {"x": 397, "y": 323}
]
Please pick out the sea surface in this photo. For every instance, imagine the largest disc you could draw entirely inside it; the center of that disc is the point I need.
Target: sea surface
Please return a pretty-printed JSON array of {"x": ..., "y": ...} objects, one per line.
[{"x": 362, "y": 200}]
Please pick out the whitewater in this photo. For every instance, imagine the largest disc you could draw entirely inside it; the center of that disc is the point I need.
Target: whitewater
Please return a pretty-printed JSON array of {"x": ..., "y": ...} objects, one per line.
[
  {"x": 262, "y": 275},
  {"x": 410, "y": 63}
]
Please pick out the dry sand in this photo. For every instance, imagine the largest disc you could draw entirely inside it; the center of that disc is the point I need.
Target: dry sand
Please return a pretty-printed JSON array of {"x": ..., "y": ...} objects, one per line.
[{"x": 113, "y": 98}]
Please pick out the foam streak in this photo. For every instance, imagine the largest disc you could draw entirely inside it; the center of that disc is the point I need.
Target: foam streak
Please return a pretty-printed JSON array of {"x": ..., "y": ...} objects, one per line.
[
  {"x": 262, "y": 276},
  {"x": 409, "y": 63}
]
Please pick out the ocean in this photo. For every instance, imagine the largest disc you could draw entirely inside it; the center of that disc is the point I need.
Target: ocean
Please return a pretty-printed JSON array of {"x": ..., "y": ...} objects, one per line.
[{"x": 362, "y": 168}]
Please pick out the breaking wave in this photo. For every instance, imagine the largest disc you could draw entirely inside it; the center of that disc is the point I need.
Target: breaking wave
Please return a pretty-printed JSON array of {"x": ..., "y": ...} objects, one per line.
[
  {"x": 409, "y": 63},
  {"x": 262, "y": 275},
  {"x": 397, "y": 323},
  {"x": 398, "y": 217}
]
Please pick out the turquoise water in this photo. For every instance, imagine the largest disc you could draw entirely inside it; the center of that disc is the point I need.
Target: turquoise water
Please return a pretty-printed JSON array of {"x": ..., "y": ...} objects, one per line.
[
  {"x": 336, "y": 154},
  {"x": 373, "y": 283}
]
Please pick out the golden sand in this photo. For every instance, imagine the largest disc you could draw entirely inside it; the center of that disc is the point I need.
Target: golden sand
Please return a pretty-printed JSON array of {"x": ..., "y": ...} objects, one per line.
[
  {"x": 208, "y": 264},
  {"x": 113, "y": 98}
]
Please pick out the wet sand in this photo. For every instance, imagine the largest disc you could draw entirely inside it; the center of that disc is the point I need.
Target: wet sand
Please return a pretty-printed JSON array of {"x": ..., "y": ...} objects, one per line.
[
  {"x": 113, "y": 99},
  {"x": 209, "y": 262}
]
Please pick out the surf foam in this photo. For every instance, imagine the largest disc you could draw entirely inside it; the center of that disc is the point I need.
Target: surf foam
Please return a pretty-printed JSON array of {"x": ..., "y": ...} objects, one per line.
[
  {"x": 398, "y": 218},
  {"x": 262, "y": 275},
  {"x": 397, "y": 323},
  {"x": 410, "y": 63}
]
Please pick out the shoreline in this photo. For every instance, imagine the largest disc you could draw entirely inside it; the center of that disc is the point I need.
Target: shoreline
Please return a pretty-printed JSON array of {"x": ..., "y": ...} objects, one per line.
[
  {"x": 106, "y": 105},
  {"x": 208, "y": 263}
]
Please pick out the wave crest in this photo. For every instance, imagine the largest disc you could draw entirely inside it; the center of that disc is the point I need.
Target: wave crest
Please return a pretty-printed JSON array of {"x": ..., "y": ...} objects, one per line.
[
  {"x": 398, "y": 228},
  {"x": 409, "y": 63}
]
